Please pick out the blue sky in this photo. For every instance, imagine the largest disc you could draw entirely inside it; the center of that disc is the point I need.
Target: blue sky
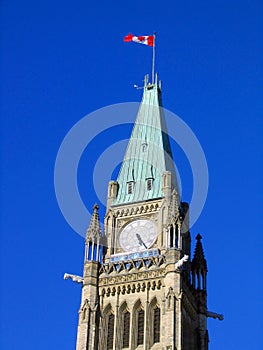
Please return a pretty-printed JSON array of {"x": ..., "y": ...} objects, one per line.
[{"x": 62, "y": 60}]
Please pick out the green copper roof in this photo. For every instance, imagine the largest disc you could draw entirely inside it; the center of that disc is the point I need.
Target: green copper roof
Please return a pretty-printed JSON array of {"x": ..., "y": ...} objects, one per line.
[{"x": 148, "y": 153}]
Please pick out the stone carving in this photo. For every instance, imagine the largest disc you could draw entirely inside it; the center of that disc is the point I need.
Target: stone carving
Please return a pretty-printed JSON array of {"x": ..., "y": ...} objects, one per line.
[
  {"x": 214, "y": 315},
  {"x": 91, "y": 306},
  {"x": 138, "y": 210},
  {"x": 138, "y": 265},
  {"x": 131, "y": 288},
  {"x": 74, "y": 278},
  {"x": 130, "y": 277},
  {"x": 181, "y": 261}
]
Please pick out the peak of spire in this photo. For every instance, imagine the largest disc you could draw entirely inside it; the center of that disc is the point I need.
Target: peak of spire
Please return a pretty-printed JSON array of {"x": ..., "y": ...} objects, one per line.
[
  {"x": 198, "y": 237},
  {"x": 156, "y": 82}
]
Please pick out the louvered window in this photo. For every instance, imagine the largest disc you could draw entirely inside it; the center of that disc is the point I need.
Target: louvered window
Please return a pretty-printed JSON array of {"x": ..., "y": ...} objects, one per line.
[
  {"x": 149, "y": 184},
  {"x": 126, "y": 329},
  {"x": 140, "y": 330},
  {"x": 110, "y": 332},
  {"x": 156, "y": 325},
  {"x": 130, "y": 187}
]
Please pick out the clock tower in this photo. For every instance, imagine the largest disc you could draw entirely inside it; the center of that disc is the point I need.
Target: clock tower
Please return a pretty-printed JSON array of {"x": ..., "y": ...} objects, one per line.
[{"x": 140, "y": 287}]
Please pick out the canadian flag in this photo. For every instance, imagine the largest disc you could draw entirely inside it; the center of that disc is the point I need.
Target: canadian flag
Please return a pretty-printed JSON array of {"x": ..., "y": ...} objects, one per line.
[{"x": 146, "y": 40}]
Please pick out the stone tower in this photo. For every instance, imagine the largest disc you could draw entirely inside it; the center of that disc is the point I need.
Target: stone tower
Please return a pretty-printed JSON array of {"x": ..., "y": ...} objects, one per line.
[{"x": 140, "y": 288}]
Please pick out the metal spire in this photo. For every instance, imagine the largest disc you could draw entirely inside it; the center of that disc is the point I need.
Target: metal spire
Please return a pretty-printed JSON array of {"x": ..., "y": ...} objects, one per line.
[{"x": 148, "y": 154}]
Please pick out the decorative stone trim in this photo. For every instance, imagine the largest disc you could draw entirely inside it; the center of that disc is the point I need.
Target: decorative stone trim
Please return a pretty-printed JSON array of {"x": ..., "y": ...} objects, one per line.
[
  {"x": 131, "y": 288},
  {"x": 113, "y": 280},
  {"x": 140, "y": 209},
  {"x": 127, "y": 266}
]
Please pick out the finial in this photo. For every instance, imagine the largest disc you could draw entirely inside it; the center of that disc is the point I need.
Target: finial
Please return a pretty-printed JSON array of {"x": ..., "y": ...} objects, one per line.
[
  {"x": 146, "y": 80},
  {"x": 95, "y": 207},
  {"x": 198, "y": 237}
]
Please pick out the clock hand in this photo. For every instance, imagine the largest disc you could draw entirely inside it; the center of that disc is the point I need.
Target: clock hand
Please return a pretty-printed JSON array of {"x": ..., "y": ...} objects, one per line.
[{"x": 140, "y": 240}]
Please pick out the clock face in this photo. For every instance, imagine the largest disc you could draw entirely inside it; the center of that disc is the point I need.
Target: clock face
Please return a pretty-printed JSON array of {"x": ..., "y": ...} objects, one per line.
[{"x": 138, "y": 235}]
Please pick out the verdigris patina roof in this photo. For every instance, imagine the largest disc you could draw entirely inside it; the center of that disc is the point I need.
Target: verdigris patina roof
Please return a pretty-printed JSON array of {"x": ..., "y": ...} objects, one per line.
[{"x": 148, "y": 153}]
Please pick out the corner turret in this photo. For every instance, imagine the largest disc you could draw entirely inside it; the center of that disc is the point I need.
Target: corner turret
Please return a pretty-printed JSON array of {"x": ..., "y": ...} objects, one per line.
[
  {"x": 94, "y": 246},
  {"x": 199, "y": 266}
]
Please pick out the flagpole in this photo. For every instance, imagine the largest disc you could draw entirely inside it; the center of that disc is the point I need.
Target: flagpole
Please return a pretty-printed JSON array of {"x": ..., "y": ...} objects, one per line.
[{"x": 153, "y": 58}]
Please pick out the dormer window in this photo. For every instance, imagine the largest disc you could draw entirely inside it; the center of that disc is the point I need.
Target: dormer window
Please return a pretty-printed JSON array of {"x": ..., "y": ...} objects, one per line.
[
  {"x": 130, "y": 187},
  {"x": 149, "y": 183}
]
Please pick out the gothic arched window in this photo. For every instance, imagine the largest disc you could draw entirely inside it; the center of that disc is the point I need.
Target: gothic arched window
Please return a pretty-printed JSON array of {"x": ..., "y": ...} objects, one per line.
[
  {"x": 140, "y": 327},
  {"x": 154, "y": 320},
  {"x": 110, "y": 334},
  {"x": 126, "y": 329},
  {"x": 156, "y": 325}
]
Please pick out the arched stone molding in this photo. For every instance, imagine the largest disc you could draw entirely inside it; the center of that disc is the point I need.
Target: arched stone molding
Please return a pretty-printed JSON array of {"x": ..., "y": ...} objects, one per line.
[
  {"x": 106, "y": 321},
  {"x": 154, "y": 322},
  {"x": 124, "y": 327},
  {"x": 137, "y": 326}
]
